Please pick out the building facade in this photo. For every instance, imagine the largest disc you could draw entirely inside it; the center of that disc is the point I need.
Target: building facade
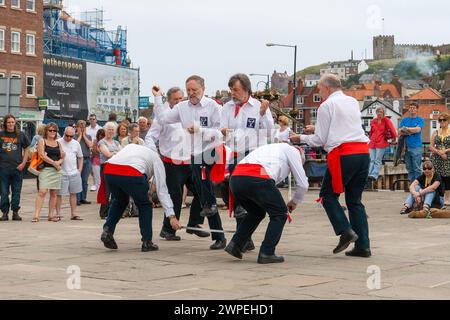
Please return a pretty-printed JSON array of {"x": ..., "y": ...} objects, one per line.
[{"x": 21, "y": 55}]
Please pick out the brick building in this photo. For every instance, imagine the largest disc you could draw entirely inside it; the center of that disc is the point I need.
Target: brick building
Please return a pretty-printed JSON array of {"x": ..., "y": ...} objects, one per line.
[
  {"x": 21, "y": 54},
  {"x": 279, "y": 81}
]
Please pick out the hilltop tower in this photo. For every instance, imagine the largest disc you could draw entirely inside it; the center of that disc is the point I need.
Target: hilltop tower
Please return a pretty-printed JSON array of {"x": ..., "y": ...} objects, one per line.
[{"x": 383, "y": 47}]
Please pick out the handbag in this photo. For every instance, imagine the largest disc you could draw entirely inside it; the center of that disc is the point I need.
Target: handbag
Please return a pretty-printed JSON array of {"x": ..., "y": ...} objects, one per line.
[{"x": 36, "y": 163}]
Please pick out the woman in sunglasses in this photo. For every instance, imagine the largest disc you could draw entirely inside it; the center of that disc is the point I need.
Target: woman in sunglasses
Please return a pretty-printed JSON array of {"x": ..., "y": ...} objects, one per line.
[
  {"x": 426, "y": 188},
  {"x": 440, "y": 148},
  {"x": 50, "y": 177}
]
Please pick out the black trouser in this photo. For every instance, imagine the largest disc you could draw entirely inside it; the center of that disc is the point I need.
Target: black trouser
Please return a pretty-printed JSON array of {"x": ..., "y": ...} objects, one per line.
[
  {"x": 231, "y": 168},
  {"x": 122, "y": 188},
  {"x": 259, "y": 196},
  {"x": 177, "y": 176},
  {"x": 355, "y": 170},
  {"x": 204, "y": 187}
]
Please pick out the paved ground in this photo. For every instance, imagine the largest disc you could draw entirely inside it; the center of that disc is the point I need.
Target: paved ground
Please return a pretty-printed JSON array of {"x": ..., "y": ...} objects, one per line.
[{"x": 412, "y": 256}]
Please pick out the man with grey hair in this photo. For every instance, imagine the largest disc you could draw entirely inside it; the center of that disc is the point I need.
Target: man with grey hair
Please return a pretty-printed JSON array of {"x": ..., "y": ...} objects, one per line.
[
  {"x": 143, "y": 127},
  {"x": 200, "y": 116},
  {"x": 71, "y": 170},
  {"x": 339, "y": 130},
  {"x": 175, "y": 152},
  {"x": 246, "y": 124}
]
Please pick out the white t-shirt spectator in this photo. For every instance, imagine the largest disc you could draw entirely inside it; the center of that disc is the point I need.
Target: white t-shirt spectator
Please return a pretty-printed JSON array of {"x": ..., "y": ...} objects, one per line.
[
  {"x": 73, "y": 151},
  {"x": 282, "y": 136}
]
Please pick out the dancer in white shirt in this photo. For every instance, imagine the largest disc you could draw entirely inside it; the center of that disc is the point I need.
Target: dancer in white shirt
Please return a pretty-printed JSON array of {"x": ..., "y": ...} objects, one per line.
[
  {"x": 200, "y": 116},
  {"x": 127, "y": 174},
  {"x": 253, "y": 184},
  {"x": 339, "y": 131},
  {"x": 175, "y": 151},
  {"x": 246, "y": 124}
]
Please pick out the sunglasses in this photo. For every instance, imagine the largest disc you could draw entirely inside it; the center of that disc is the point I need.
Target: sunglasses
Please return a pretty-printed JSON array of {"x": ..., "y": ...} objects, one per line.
[
  {"x": 51, "y": 130},
  {"x": 442, "y": 120},
  {"x": 67, "y": 136},
  {"x": 427, "y": 168}
]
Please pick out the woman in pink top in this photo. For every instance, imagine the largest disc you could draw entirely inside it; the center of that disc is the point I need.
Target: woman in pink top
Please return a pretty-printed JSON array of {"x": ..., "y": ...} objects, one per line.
[{"x": 381, "y": 131}]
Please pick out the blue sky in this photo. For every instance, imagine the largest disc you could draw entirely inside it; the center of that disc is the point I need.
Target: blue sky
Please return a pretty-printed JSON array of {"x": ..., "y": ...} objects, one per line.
[{"x": 172, "y": 39}]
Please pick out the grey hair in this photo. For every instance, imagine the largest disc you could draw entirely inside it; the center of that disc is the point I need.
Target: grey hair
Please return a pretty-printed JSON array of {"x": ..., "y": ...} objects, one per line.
[
  {"x": 172, "y": 91},
  {"x": 244, "y": 81},
  {"x": 143, "y": 118},
  {"x": 132, "y": 126},
  {"x": 381, "y": 108},
  {"x": 331, "y": 81},
  {"x": 198, "y": 79},
  {"x": 109, "y": 125}
]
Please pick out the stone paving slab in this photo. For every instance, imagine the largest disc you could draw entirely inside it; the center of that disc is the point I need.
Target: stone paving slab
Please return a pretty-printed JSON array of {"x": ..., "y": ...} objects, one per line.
[{"x": 412, "y": 255}]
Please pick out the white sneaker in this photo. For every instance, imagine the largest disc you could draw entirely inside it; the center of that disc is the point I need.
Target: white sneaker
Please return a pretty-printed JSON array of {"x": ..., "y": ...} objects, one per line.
[{"x": 93, "y": 188}]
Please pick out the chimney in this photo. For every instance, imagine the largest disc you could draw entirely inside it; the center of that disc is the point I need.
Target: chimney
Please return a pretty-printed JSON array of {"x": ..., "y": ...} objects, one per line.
[
  {"x": 377, "y": 89},
  {"x": 299, "y": 86},
  {"x": 290, "y": 87}
]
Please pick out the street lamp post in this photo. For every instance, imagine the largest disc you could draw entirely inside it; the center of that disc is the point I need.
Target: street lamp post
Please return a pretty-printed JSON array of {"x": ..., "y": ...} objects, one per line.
[
  {"x": 263, "y": 75},
  {"x": 295, "y": 67},
  {"x": 134, "y": 115}
]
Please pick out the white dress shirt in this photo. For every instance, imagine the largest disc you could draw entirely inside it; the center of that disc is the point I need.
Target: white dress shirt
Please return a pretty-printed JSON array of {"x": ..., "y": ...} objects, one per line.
[
  {"x": 338, "y": 121},
  {"x": 174, "y": 141},
  {"x": 279, "y": 159},
  {"x": 147, "y": 162},
  {"x": 93, "y": 131},
  {"x": 205, "y": 115},
  {"x": 249, "y": 129}
]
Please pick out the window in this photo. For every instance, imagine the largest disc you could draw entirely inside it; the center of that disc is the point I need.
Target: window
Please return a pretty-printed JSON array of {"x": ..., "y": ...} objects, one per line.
[
  {"x": 436, "y": 112},
  {"x": 370, "y": 111},
  {"x": 2, "y": 75},
  {"x": 31, "y": 48},
  {"x": 2, "y": 2},
  {"x": 15, "y": 3},
  {"x": 31, "y": 86},
  {"x": 17, "y": 76},
  {"x": 31, "y": 5},
  {"x": 314, "y": 113},
  {"x": 15, "y": 41},
  {"x": 299, "y": 100},
  {"x": 2, "y": 39},
  {"x": 316, "y": 98},
  {"x": 300, "y": 114},
  {"x": 434, "y": 124}
]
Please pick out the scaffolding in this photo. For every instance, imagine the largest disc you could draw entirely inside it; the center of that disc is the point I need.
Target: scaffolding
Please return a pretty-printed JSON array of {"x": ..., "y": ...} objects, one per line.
[{"x": 84, "y": 38}]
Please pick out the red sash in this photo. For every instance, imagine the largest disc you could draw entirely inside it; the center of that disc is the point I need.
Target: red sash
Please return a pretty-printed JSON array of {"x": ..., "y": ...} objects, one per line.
[
  {"x": 176, "y": 162},
  {"x": 246, "y": 170},
  {"x": 218, "y": 169},
  {"x": 117, "y": 170},
  {"x": 334, "y": 161}
]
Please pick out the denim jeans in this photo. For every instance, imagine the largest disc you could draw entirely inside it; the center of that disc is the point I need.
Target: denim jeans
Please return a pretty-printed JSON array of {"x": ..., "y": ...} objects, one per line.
[
  {"x": 428, "y": 199},
  {"x": 84, "y": 179},
  {"x": 10, "y": 179},
  {"x": 376, "y": 159},
  {"x": 413, "y": 161}
]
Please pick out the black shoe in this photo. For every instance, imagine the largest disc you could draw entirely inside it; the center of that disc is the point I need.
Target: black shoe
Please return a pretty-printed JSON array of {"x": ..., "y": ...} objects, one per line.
[
  {"x": 219, "y": 244},
  {"x": 4, "y": 217},
  {"x": 169, "y": 236},
  {"x": 240, "y": 212},
  {"x": 264, "y": 258},
  {"x": 148, "y": 246},
  {"x": 232, "y": 249},
  {"x": 201, "y": 234},
  {"x": 209, "y": 211},
  {"x": 248, "y": 246},
  {"x": 16, "y": 216},
  {"x": 345, "y": 240},
  {"x": 108, "y": 240},
  {"x": 364, "y": 253},
  {"x": 85, "y": 202},
  {"x": 78, "y": 203}
]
